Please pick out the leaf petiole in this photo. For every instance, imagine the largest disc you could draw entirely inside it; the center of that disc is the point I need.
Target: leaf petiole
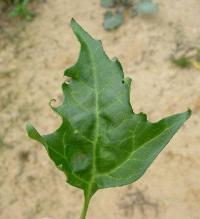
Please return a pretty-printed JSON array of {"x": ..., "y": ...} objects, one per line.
[{"x": 85, "y": 206}]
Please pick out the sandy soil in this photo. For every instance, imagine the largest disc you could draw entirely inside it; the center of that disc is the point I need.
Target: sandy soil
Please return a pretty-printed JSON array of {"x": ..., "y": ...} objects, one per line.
[{"x": 32, "y": 60}]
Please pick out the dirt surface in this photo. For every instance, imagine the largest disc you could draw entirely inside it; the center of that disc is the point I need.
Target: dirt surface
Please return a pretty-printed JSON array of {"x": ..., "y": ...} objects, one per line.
[{"x": 32, "y": 60}]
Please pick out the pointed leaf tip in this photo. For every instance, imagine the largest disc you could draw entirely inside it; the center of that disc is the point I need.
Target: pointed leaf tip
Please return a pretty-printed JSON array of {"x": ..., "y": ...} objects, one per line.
[
  {"x": 82, "y": 35},
  {"x": 189, "y": 112},
  {"x": 33, "y": 133},
  {"x": 73, "y": 22},
  {"x": 76, "y": 27}
]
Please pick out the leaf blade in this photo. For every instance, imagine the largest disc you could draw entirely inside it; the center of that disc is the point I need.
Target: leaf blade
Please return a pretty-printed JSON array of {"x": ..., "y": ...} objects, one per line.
[
  {"x": 101, "y": 140},
  {"x": 135, "y": 159}
]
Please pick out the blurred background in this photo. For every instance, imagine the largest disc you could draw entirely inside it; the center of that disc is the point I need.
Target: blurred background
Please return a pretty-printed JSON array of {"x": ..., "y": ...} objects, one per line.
[{"x": 158, "y": 44}]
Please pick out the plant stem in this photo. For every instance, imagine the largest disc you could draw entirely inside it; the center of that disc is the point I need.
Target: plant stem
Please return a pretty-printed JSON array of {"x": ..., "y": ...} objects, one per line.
[{"x": 85, "y": 207}]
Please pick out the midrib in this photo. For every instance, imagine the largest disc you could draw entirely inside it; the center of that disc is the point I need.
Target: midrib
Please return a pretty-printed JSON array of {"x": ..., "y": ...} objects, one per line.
[{"x": 96, "y": 132}]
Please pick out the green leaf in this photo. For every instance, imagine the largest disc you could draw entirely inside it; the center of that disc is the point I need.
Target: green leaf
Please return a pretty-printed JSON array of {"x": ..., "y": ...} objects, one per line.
[
  {"x": 108, "y": 3},
  {"x": 147, "y": 7},
  {"x": 101, "y": 142},
  {"x": 183, "y": 61},
  {"x": 20, "y": 8},
  {"x": 112, "y": 20}
]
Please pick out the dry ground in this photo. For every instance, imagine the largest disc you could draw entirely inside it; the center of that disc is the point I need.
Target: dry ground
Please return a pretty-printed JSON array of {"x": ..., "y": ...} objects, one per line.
[{"x": 32, "y": 61}]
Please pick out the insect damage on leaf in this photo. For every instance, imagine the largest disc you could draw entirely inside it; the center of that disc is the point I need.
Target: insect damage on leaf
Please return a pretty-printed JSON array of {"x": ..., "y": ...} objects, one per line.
[{"x": 101, "y": 142}]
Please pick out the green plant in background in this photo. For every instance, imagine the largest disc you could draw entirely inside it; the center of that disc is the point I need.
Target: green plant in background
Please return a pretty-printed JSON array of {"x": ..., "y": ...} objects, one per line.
[
  {"x": 195, "y": 61},
  {"x": 18, "y": 8},
  {"x": 111, "y": 3},
  {"x": 101, "y": 142},
  {"x": 187, "y": 58},
  {"x": 21, "y": 9},
  {"x": 113, "y": 19},
  {"x": 183, "y": 62},
  {"x": 147, "y": 7}
]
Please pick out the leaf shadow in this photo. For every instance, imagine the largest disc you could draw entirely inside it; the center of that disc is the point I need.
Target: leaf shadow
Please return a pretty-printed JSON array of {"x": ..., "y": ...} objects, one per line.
[{"x": 137, "y": 201}]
